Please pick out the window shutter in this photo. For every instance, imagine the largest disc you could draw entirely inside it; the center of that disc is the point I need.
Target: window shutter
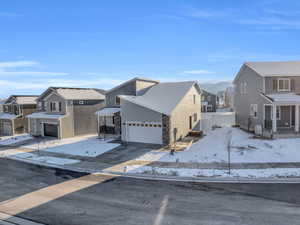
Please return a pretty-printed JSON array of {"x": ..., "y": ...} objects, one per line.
[
  {"x": 274, "y": 84},
  {"x": 59, "y": 106},
  {"x": 292, "y": 84}
]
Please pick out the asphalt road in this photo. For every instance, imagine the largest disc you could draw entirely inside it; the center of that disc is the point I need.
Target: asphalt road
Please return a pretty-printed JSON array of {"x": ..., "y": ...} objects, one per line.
[{"x": 121, "y": 201}]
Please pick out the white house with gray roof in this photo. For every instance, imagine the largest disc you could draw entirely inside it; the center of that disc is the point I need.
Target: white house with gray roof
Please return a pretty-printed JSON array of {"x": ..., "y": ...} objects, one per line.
[
  {"x": 165, "y": 113},
  {"x": 66, "y": 112},
  {"x": 267, "y": 94}
]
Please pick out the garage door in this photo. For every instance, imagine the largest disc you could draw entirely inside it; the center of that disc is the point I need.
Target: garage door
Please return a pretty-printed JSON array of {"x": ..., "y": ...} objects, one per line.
[
  {"x": 50, "y": 130},
  {"x": 6, "y": 128},
  {"x": 143, "y": 132}
]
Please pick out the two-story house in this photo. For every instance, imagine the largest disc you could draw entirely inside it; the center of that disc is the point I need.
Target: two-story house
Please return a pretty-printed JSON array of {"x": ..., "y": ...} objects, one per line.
[
  {"x": 15, "y": 108},
  {"x": 267, "y": 94},
  {"x": 66, "y": 112},
  {"x": 164, "y": 114},
  {"x": 208, "y": 101},
  {"x": 109, "y": 118}
]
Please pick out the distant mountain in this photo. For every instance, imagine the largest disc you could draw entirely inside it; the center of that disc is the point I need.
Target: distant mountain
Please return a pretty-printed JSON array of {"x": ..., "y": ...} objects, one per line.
[{"x": 216, "y": 87}]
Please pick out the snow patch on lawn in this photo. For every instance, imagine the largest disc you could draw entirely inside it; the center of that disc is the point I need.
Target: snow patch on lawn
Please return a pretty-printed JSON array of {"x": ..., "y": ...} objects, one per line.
[
  {"x": 243, "y": 149},
  {"x": 44, "y": 159},
  {"x": 246, "y": 173},
  {"x": 88, "y": 146},
  {"x": 9, "y": 140}
]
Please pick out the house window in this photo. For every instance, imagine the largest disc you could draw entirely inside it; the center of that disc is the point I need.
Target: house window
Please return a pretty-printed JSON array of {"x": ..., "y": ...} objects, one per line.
[
  {"x": 278, "y": 113},
  {"x": 55, "y": 106},
  {"x": 209, "y": 98},
  {"x": 194, "y": 99},
  {"x": 243, "y": 88},
  {"x": 195, "y": 117},
  {"x": 284, "y": 84},
  {"x": 117, "y": 100},
  {"x": 253, "y": 110}
]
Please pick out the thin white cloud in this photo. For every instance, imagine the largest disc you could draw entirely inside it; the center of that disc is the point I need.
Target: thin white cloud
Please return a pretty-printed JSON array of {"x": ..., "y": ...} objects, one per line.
[
  {"x": 9, "y": 14},
  {"x": 197, "y": 72},
  {"x": 14, "y": 64}
]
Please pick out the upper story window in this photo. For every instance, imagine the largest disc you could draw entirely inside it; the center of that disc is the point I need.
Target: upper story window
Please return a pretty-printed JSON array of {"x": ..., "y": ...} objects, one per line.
[
  {"x": 243, "y": 88},
  {"x": 118, "y": 100},
  {"x": 284, "y": 84},
  {"x": 194, "y": 99},
  {"x": 208, "y": 98},
  {"x": 55, "y": 106}
]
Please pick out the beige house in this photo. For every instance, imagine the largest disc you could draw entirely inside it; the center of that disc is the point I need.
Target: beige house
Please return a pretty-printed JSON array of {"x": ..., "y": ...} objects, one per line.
[
  {"x": 266, "y": 94},
  {"x": 165, "y": 113},
  {"x": 15, "y": 109},
  {"x": 66, "y": 112}
]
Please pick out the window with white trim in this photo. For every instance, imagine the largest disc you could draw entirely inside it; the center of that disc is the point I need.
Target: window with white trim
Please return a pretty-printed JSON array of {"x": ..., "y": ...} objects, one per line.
[
  {"x": 253, "y": 110},
  {"x": 55, "y": 106},
  {"x": 243, "y": 87},
  {"x": 284, "y": 84}
]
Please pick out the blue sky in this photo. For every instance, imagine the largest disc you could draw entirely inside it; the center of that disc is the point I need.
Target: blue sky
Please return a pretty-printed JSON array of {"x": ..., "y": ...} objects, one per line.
[{"x": 92, "y": 43}]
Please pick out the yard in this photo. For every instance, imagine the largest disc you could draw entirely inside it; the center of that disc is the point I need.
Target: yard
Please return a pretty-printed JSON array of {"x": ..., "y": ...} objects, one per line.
[
  {"x": 243, "y": 149},
  {"x": 87, "y": 146}
]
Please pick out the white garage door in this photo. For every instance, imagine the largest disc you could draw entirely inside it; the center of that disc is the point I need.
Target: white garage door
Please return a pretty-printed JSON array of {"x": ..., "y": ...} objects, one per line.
[{"x": 143, "y": 132}]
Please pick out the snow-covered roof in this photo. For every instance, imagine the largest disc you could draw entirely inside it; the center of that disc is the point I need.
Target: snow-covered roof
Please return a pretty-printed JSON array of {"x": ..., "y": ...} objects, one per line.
[
  {"x": 107, "y": 111},
  {"x": 286, "y": 98},
  {"x": 163, "y": 97},
  {"x": 44, "y": 115},
  {"x": 283, "y": 68},
  {"x": 8, "y": 116}
]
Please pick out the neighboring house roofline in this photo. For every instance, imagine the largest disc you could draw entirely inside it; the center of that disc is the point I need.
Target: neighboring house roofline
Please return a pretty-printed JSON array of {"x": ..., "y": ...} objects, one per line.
[
  {"x": 54, "y": 90},
  {"x": 7, "y": 101},
  {"x": 131, "y": 80}
]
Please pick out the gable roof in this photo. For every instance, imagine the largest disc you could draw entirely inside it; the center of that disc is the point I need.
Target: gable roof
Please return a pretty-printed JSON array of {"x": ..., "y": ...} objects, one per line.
[
  {"x": 283, "y": 68},
  {"x": 132, "y": 80},
  {"x": 163, "y": 97},
  {"x": 23, "y": 99},
  {"x": 272, "y": 68},
  {"x": 76, "y": 93}
]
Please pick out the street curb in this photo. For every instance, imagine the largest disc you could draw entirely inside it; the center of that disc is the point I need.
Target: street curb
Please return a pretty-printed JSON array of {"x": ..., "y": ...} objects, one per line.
[{"x": 293, "y": 180}]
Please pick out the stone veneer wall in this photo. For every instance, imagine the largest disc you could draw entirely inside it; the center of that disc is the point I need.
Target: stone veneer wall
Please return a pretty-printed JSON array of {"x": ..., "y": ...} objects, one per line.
[{"x": 166, "y": 129}]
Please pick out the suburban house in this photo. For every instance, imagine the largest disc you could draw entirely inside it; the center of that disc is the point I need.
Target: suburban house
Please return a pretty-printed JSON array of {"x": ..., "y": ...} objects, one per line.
[
  {"x": 108, "y": 118},
  {"x": 208, "y": 102},
  {"x": 66, "y": 112},
  {"x": 165, "y": 113},
  {"x": 267, "y": 94},
  {"x": 15, "y": 108}
]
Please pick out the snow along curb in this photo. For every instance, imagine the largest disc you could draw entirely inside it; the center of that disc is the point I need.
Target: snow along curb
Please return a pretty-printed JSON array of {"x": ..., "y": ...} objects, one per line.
[{"x": 167, "y": 178}]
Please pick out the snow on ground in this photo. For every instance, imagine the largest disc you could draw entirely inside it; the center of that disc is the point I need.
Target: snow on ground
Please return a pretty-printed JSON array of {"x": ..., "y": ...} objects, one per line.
[
  {"x": 9, "y": 140},
  {"x": 243, "y": 149},
  {"x": 44, "y": 159},
  {"x": 247, "y": 173},
  {"x": 89, "y": 146}
]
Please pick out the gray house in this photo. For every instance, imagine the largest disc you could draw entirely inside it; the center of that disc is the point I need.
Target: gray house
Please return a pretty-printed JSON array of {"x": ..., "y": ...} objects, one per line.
[
  {"x": 66, "y": 112},
  {"x": 165, "y": 113},
  {"x": 267, "y": 94},
  {"x": 208, "y": 102},
  {"x": 108, "y": 118},
  {"x": 15, "y": 109}
]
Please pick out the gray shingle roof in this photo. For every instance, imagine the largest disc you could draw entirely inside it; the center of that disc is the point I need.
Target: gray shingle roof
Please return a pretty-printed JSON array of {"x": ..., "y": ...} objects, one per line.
[
  {"x": 283, "y": 68},
  {"x": 162, "y": 97},
  {"x": 79, "y": 93},
  {"x": 23, "y": 99}
]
